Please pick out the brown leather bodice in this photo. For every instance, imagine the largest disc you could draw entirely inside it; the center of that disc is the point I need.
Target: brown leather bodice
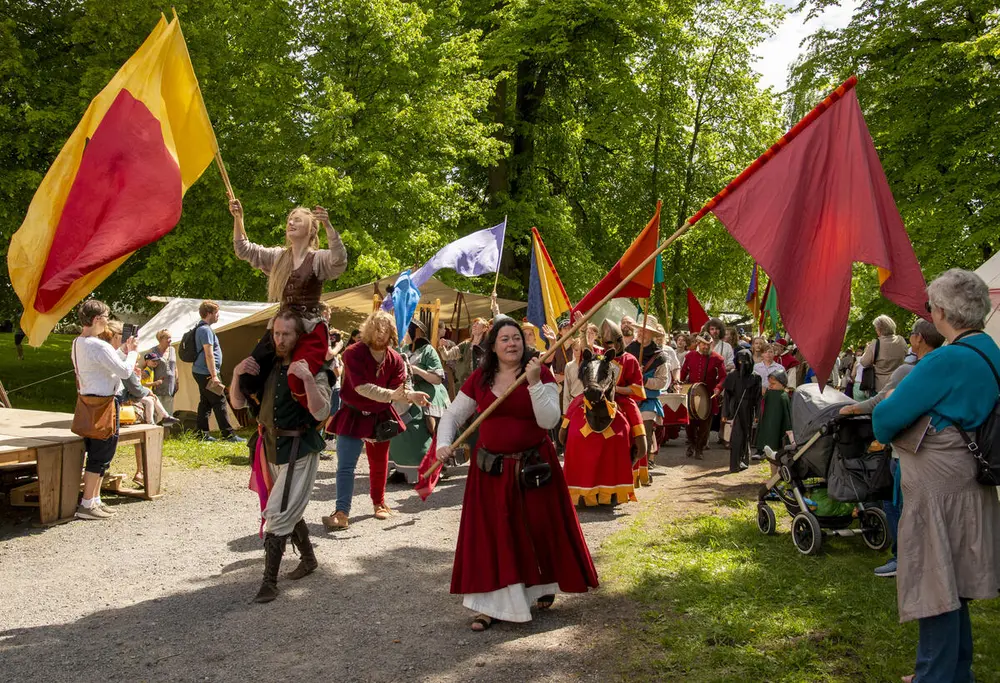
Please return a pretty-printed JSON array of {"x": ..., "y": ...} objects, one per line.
[{"x": 303, "y": 289}]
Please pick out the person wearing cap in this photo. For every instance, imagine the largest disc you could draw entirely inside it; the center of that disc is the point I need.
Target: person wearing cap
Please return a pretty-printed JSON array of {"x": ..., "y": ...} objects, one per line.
[
  {"x": 707, "y": 367},
  {"x": 776, "y": 419},
  {"x": 407, "y": 449},
  {"x": 659, "y": 368}
]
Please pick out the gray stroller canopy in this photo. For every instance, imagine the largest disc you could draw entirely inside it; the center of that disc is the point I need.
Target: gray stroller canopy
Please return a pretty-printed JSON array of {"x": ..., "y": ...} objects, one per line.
[{"x": 812, "y": 409}]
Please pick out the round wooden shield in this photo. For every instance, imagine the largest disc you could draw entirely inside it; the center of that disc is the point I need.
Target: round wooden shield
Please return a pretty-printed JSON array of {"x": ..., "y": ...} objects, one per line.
[{"x": 699, "y": 401}]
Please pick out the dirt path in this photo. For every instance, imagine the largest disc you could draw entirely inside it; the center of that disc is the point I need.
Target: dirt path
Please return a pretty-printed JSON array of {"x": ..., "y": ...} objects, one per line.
[{"x": 162, "y": 591}]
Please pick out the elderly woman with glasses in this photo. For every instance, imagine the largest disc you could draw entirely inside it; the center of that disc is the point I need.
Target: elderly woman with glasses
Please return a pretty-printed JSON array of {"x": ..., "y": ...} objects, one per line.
[{"x": 949, "y": 551}]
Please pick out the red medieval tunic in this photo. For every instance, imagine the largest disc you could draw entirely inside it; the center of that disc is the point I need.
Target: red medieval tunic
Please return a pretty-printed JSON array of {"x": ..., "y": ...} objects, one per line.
[
  {"x": 710, "y": 370},
  {"x": 357, "y": 415},
  {"x": 509, "y": 535},
  {"x": 597, "y": 465},
  {"x": 631, "y": 377}
]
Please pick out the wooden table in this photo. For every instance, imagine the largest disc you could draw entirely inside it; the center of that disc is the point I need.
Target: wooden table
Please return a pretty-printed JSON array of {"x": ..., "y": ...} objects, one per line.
[{"x": 43, "y": 439}]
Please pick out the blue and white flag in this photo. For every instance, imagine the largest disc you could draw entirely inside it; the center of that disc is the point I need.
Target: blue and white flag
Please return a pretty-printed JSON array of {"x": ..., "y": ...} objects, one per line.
[{"x": 473, "y": 254}]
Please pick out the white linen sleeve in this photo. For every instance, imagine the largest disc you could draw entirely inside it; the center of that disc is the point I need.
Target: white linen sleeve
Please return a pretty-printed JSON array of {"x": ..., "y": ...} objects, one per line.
[
  {"x": 323, "y": 387},
  {"x": 545, "y": 404},
  {"x": 112, "y": 361},
  {"x": 460, "y": 410},
  {"x": 661, "y": 378}
]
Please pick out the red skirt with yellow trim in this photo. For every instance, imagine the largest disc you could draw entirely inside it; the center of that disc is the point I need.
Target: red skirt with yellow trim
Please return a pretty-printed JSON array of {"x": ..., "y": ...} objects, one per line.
[{"x": 597, "y": 465}]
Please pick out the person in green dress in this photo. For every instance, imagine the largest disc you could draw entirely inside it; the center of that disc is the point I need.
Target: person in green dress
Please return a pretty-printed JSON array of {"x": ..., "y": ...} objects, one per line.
[
  {"x": 776, "y": 418},
  {"x": 427, "y": 374}
]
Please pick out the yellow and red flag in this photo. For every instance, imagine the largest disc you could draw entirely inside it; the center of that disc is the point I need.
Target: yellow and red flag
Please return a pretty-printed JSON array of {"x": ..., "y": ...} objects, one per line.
[
  {"x": 116, "y": 185},
  {"x": 642, "y": 284}
]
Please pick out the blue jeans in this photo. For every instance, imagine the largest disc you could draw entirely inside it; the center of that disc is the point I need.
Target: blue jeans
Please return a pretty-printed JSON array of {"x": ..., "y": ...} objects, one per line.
[
  {"x": 894, "y": 508},
  {"x": 348, "y": 452},
  {"x": 944, "y": 652}
]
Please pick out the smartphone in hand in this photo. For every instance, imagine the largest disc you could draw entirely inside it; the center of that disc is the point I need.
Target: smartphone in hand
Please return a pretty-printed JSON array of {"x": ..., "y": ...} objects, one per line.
[{"x": 129, "y": 330}]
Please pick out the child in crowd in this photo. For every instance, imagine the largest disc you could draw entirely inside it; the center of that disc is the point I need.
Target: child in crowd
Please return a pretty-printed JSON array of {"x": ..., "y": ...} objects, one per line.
[
  {"x": 776, "y": 418},
  {"x": 150, "y": 361}
]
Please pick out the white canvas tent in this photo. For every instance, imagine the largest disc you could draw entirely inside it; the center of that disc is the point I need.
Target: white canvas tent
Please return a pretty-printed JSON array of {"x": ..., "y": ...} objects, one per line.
[
  {"x": 242, "y": 324},
  {"x": 990, "y": 272}
]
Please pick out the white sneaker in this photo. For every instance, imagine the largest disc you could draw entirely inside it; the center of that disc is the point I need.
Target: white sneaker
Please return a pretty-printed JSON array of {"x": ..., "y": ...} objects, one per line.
[
  {"x": 91, "y": 513},
  {"x": 108, "y": 509}
]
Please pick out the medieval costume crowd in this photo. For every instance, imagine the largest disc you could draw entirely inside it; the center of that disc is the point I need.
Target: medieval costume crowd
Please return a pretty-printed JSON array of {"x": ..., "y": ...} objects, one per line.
[{"x": 584, "y": 429}]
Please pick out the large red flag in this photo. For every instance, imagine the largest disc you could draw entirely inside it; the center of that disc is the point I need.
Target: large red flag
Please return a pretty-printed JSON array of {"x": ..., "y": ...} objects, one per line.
[
  {"x": 807, "y": 210},
  {"x": 697, "y": 317},
  {"x": 640, "y": 286}
]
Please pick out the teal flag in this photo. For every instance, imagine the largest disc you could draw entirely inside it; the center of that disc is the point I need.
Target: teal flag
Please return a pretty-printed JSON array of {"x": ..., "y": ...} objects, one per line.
[{"x": 658, "y": 274}]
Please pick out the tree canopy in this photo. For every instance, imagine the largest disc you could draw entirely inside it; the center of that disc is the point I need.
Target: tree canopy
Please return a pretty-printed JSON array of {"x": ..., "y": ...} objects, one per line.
[{"x": 417, "y": 121}]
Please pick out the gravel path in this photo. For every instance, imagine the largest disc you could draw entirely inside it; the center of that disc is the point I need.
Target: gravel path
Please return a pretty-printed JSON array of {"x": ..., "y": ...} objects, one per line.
[{"x": 162, "y": 591}]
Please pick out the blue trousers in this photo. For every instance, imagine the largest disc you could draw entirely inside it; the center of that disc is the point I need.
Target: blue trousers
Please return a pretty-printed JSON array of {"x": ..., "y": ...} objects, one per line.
[
  {"x": 944, "y": 652},
  {"x": 348, "y": 452},
  {"x": 894, "y": 508}
]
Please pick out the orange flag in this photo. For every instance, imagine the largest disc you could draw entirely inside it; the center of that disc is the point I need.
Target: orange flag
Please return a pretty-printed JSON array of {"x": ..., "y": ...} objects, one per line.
[{"x": 641, "y": 285}]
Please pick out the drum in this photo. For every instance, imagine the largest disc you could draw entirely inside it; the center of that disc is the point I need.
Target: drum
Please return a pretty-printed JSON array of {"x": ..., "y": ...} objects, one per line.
[
  {"x": 699, "y": 401},
  {"x": 675, "y": 408}
]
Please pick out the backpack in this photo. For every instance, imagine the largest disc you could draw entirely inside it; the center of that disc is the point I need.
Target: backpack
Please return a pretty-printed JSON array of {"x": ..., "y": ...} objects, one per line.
[
  {"x": 986, "y": 448},
  {"x": 188, "y": 349},
  {"x": 868, "y": 374}
]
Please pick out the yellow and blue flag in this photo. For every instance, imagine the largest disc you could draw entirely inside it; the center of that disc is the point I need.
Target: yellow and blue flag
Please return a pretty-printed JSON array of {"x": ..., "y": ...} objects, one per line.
[{"x": 547, "y": 299}]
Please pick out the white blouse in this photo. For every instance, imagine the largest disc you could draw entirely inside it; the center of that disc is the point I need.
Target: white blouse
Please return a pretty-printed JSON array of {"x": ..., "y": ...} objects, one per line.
[{"x": 99, "y": 366}]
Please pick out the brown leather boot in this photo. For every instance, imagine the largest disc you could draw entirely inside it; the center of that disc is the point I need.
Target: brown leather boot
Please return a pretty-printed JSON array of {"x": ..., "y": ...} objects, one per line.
[
  {"x": 274, "y": 548},
  {"x": 307, "y": 556}
]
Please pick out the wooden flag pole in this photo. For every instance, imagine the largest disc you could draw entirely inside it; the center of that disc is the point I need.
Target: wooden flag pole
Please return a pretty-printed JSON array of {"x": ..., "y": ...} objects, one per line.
[
  {"x": 645, "y": 319},
  {"x": 580, "y": 322},
  {"x": 225, "y": 176}
]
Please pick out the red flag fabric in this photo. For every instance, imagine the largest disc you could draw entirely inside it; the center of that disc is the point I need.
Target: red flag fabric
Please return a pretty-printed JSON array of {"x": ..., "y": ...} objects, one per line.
[
  {"x": 642, "y": 284},
  {"x": 697, "y": 317},
  {"x": 819, "y": 203}
]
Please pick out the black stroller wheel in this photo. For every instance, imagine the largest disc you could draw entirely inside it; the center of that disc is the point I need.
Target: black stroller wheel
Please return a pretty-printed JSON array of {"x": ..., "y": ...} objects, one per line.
[
  {"x": 767, "y": 524},
  {"x": 875, "y": 528},
  {"x": 806, "y": 533}
]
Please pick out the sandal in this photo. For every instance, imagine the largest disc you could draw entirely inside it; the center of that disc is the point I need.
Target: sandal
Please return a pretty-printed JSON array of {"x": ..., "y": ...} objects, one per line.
[
  {"x": 481, "y": 621},
  {"x": 545, "y": 601},
  {"x": 139, "y": 479}
]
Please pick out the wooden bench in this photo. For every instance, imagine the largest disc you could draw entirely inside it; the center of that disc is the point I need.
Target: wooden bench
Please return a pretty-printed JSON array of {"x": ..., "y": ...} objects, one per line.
[{"x": 43, "y": 439}]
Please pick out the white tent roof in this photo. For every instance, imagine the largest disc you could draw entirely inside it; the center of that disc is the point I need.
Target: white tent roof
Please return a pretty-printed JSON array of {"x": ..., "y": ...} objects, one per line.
[
  {"x": 180, "y": 315},
  {"x": 990, "y": 272}
]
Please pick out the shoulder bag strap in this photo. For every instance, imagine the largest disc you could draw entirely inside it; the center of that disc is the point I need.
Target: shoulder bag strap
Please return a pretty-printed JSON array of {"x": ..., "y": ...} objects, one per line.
[
  {"x": 76, "y": 371},
  {"x": 982, "y": 355}
]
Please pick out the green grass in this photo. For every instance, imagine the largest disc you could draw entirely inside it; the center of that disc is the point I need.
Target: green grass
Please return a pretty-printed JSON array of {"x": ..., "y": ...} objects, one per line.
[
  {"x": 723, "y": 603},
  {"x": 51, "y": 358}
]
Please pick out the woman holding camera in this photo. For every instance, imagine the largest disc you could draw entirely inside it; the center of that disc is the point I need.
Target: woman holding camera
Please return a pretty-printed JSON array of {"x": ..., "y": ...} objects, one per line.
[{"x": 519, "y": 541}]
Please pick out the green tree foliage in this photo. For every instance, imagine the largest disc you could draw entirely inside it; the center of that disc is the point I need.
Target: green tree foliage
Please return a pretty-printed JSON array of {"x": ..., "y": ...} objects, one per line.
[
  {"x": 417, "y": 121},
  {"x": 929, "y": 86}
]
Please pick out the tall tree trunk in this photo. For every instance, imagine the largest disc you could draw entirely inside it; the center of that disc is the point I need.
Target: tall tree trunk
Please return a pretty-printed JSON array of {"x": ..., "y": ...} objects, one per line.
[
  {"x": 530, "y": 92},
  {"x": 497, "y": 180},
  {"x": 682, "y": 213}
]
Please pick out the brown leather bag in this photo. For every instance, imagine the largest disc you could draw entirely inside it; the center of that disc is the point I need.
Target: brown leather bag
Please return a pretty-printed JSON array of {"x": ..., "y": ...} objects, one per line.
[{"x": 94, "y": 416}]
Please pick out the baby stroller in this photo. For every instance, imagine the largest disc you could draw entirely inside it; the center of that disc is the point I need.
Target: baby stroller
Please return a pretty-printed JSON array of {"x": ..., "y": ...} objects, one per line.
[{"x": 834, "y": 478}]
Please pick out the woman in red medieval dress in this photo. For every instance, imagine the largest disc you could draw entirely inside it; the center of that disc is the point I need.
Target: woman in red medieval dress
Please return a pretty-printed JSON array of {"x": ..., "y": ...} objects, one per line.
[{"x": 519, "y": 541}]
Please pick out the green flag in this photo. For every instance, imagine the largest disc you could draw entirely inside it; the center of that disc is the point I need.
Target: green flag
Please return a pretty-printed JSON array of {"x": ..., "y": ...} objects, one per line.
[
  {"x": 658, "y": 274},
  {"x": 771, "y": 308}
]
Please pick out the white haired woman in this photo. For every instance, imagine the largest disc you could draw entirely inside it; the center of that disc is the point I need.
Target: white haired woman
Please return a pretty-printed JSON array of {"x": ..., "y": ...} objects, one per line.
[
  {"x": 949, "y": 550},
  {"x": 885, "y": 353}
]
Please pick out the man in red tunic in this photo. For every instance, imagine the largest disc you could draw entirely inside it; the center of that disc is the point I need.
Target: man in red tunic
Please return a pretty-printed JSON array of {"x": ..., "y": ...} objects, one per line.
[
  {"x": 628, "y": 392},
  {"x": 707, "y": 367}
]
